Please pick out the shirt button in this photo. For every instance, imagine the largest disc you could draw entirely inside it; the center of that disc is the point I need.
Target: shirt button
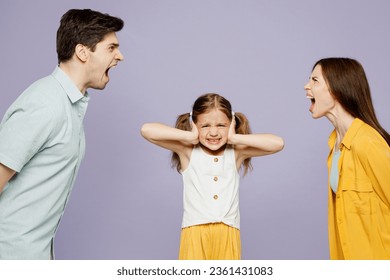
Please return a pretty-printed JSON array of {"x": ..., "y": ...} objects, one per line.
[
  {"x": 215, "y": 159},
  {"x": 215, "y": 197},
  {"x": 215, "y": 179}
]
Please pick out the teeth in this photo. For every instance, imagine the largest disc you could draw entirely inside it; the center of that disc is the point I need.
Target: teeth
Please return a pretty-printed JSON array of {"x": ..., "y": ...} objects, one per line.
[{"x": 309, "y": 97}]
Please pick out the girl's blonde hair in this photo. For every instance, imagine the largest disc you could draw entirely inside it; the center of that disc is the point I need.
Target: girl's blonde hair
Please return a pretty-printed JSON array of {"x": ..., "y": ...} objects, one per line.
[{"x": 205, "y": 104}]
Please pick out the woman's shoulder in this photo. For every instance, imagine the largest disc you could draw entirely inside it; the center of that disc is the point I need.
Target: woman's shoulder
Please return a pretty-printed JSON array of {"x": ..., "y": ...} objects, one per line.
[
  {"x": 368, "y": 140},
  {"x": 367, "y": 133}
]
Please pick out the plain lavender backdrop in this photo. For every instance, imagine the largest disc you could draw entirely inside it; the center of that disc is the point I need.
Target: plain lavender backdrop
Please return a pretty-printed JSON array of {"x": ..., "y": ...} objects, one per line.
[{"x": 127, "y": 201}]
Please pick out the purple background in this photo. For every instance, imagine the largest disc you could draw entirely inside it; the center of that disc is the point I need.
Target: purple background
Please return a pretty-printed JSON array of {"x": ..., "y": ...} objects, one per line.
[{"x": 127, "y": 201}]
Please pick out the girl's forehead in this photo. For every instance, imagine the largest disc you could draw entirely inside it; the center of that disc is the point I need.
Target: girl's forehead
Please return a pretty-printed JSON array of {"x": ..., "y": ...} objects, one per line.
[{"x": 214, "y": 114}]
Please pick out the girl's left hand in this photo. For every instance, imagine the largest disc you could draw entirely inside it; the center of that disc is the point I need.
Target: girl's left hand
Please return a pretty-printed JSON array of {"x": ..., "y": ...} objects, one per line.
[{"x": 232, "y": 129}]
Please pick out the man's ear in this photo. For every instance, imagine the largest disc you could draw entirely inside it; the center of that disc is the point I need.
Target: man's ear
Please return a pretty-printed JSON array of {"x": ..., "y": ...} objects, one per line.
[{"x": 81, "y": 52}]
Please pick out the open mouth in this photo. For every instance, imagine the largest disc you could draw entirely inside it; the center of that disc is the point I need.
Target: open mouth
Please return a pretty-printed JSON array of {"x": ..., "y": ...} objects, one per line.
[
  {"x": 109, "y": 68},
  {"x": 213, "y": 141},
  {"x": 312, "y": 100}
]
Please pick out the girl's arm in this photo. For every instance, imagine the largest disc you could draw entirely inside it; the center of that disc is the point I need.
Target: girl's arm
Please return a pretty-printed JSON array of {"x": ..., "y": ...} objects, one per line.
[
  {"x": 170, "y": 138},
  {"x": 254, "y": 145}
]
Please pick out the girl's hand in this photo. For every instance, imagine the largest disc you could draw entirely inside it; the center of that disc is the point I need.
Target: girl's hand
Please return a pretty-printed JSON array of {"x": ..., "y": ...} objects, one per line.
[
  {"x": 194, "y": 138},
  {"x": 232, "y": 130}
]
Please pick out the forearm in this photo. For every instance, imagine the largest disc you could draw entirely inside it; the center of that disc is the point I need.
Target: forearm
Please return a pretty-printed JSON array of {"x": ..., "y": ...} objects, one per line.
[
  {"x": 155, "y": 132},
  {"x": 265, "y": 142},
  {"x": 5, "y": 175}
]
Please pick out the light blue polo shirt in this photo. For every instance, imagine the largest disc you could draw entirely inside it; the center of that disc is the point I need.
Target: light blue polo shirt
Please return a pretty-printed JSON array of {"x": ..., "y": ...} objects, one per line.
[{"x": 42, "y": 139}]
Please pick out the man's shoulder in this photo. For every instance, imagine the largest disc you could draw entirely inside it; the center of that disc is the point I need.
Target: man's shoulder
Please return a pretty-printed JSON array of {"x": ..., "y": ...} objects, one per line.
[
  {"x": 44, "y": 92},
  {"x": 45, "y": 97},
  {"x": 44, "y": 87}
]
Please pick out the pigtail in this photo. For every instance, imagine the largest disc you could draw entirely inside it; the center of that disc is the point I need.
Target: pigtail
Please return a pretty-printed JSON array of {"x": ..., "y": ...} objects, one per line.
[
  {"x": 183, "y": 122},
  {"x": 242, "y": 124}
]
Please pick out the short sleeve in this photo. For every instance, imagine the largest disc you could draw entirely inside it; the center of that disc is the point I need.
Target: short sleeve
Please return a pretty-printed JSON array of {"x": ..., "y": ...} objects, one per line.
[{"x": 24, "y": 131}]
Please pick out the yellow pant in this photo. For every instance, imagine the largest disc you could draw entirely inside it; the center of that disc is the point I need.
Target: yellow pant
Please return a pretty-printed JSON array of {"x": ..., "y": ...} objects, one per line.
[{"x": 210, "y": 242}]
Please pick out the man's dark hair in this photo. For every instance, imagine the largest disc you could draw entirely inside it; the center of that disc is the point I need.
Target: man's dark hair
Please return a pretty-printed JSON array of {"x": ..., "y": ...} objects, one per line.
[{"x": 86, "y": 27}]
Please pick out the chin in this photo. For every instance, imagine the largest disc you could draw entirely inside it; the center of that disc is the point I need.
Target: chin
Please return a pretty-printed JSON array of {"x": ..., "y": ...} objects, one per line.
[
  {"x": 99, "y": 87},
  {"x": 213, "y": 150},
  {"x": 316, "y": 116}
]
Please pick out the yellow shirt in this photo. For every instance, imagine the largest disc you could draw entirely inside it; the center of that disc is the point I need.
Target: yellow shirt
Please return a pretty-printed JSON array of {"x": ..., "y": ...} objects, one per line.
[{"x": 359, "y": 213}]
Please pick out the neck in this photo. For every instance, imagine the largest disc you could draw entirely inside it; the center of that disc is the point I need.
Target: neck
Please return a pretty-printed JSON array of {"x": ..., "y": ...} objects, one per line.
[
  {"x": 75, "y": 73},
  {"x": 341, "y": 121}
]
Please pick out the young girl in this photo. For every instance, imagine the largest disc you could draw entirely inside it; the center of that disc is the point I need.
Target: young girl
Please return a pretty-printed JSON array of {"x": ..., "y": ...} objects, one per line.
[{"x": 209, "y": 147}]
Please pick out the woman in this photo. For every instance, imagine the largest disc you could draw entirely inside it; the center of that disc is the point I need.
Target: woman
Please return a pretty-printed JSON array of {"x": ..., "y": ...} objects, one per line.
[{"x": 358, "y": 162}]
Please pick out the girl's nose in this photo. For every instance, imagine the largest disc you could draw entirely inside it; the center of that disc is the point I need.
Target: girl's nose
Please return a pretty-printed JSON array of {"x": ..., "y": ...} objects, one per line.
[{"x": 213, "y": 131}]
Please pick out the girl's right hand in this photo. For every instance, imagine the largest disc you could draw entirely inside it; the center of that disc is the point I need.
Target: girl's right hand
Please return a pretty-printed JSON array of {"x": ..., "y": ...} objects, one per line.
[{"x": 194, "y": 139}]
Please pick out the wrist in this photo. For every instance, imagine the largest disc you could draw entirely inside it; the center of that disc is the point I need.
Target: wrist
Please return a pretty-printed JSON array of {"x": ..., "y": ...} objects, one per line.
[{"x": 192, "y": 138}]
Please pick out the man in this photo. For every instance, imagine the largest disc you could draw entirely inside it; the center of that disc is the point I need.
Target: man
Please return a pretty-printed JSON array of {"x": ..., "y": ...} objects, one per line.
[{"x": 42, "y": 137}]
